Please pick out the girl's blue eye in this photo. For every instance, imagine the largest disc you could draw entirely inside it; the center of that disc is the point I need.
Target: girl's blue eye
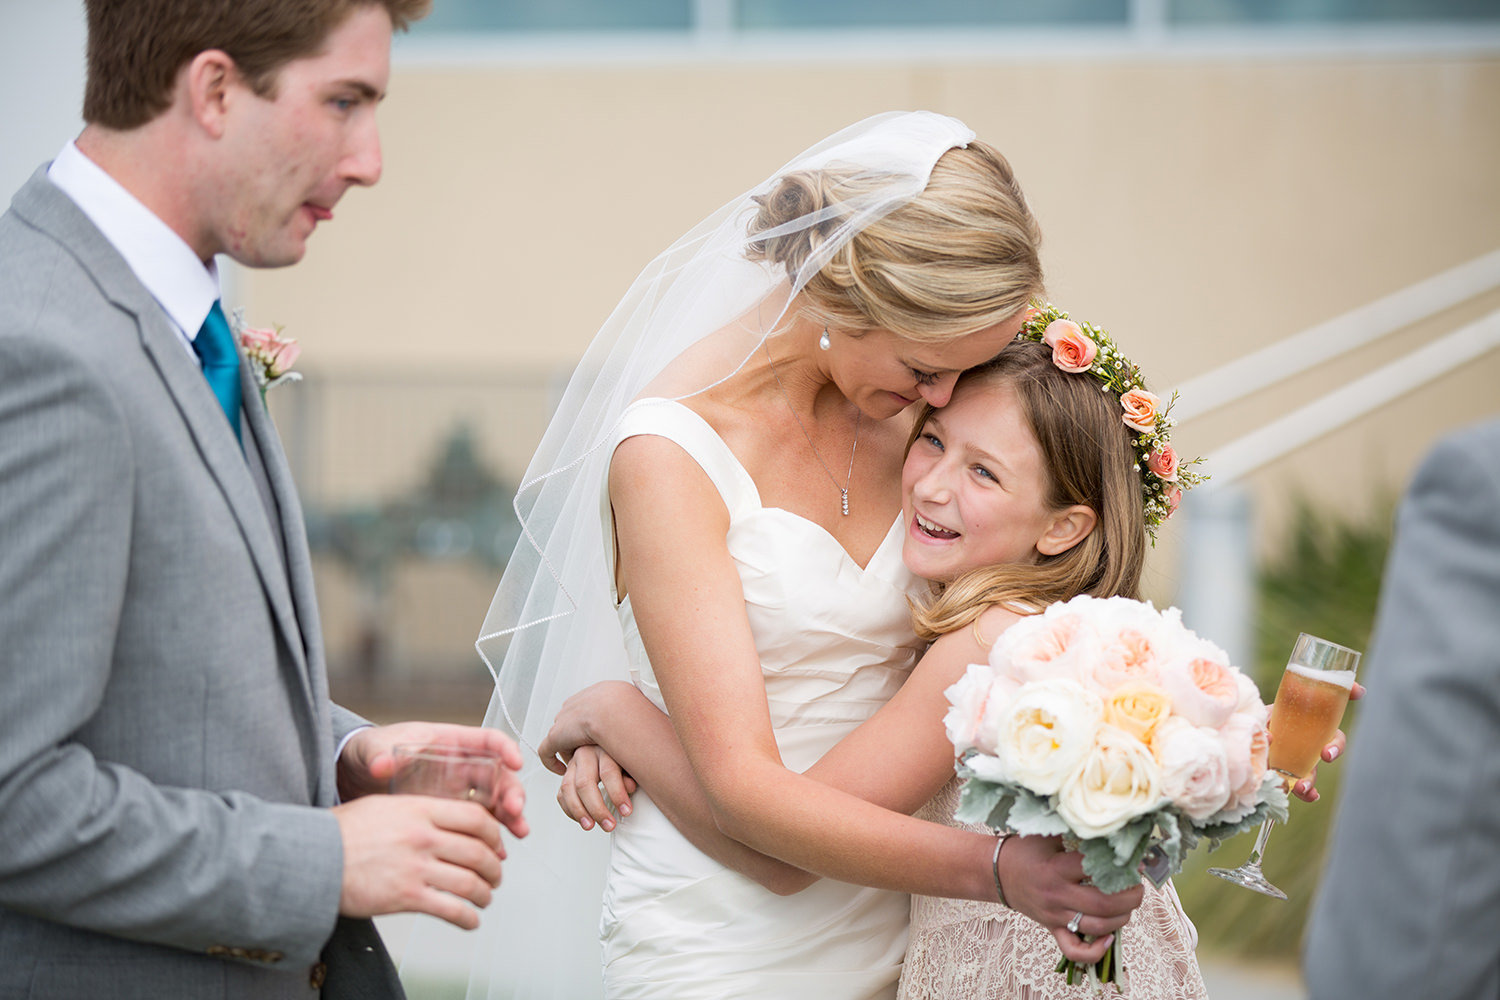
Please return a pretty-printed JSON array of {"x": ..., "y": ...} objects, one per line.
[
  {"x": 985, "y": 473},
  {"x": 932, "y": 440}
]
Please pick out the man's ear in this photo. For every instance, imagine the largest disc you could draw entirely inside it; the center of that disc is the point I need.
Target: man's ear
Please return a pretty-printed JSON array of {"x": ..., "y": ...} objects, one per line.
[
  {"x": 207, "y": 83},
  {"x": 1068, "y": 527}
]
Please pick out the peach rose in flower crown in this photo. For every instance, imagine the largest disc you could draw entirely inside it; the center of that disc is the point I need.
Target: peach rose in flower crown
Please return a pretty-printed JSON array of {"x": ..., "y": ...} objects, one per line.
[
  {"x": 1163, "y": 462},
  {"x": 1194, "y": 767},
  {"x": 1174, "y": 500},
  {"x": 1072, "y": 349},
  {"x": 1204, "y": 688},
  {"x": 1117, "y": 781},
  {"x": 1140, "y": 410}
]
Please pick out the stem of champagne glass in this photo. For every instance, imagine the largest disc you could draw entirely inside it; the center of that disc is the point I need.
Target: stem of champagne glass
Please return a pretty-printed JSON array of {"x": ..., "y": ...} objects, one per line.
[{"x": 1258, "y": 851}]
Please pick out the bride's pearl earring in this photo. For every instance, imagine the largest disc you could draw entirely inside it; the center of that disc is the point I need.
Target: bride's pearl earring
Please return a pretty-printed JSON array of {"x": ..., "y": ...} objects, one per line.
[{"x": 823, "y": 341}]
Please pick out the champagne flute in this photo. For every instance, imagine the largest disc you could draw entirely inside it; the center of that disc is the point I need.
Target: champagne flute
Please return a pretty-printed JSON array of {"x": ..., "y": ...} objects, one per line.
[{"x": 1309, "y": 706}]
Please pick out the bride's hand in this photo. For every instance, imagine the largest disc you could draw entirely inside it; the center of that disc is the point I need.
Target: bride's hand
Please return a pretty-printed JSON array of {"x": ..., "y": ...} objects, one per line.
[
  {"x": 1306, "y": 789},
  {"x": 576, "y": 720},
  {"x": 1046, "y": 883},
  {"x": 588, "y": 768}
]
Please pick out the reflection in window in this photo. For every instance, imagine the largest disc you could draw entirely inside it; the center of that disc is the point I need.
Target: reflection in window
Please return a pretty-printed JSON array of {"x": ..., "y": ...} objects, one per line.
[
  {"x": 1330, "y": 11},
  {"x": 455, "y": 16},
  {"x": 929, "y": 13}
]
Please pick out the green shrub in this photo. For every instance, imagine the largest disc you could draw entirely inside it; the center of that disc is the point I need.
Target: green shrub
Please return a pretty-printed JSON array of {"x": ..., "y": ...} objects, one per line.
[{"x": 1326, "y": 582}]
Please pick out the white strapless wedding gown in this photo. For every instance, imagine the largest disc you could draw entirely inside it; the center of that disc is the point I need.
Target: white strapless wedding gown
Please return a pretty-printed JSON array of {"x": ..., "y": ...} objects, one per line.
[{"x": 835, "y": 643}]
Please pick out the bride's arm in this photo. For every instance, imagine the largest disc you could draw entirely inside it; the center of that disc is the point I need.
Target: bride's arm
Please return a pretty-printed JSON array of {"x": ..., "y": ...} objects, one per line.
[{"x": 688, "y": 604}]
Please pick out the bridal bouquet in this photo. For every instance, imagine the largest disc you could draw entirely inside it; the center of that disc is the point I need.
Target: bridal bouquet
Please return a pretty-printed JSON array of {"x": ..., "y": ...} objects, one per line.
[{"x": 1113, "y": 725}]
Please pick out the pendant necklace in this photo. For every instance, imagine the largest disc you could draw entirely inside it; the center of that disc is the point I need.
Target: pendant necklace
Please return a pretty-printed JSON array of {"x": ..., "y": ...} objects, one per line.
[{"x": 849, "y": 476}]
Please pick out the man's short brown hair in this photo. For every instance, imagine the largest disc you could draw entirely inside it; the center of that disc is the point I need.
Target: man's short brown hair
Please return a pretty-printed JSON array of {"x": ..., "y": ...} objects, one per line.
[{"x": 137, "y": 47}]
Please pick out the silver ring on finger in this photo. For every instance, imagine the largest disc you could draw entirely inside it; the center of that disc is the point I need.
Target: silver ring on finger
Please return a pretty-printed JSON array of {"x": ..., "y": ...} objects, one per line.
[{"x": 1075, "y": 922}]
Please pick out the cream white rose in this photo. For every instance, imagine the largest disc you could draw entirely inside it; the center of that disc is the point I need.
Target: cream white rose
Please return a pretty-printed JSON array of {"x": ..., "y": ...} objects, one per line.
[
  {"x": 1045, "y": 732},
  {"x": 1194, "y": 767},
  {"x": 1117, "y": 781},
  {"x": 974, "y": 700}
]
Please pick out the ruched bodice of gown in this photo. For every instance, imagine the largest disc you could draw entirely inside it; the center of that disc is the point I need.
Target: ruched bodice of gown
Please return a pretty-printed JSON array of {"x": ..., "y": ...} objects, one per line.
[{"x": 835, "y": 642}]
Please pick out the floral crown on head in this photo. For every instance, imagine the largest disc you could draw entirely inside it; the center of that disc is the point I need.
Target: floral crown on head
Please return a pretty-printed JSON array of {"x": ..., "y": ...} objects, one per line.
[{"x": 1083, "y": 348}]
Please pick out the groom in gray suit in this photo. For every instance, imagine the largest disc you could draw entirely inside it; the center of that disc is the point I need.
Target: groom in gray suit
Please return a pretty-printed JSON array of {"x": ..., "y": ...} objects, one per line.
[
  {"x": 1407, "y": 907},
  {"x": 183, "y": 814}
]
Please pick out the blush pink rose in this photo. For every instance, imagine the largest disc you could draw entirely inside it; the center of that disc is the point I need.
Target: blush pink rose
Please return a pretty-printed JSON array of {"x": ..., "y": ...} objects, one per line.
[
  {"x": 254, "y": 340},
  {"x": 1195, "y": 771},
  {"x": 1247, "y": 745},
  {"x": 1130, "y": 656},
  {"x": 1072, "y": 349},
  {"x": 1163, "y": 462},
  {"x": 282, "y": 356},
  {"x": 1140, "y": 410},
  {"x": 276, "y": 353},
  {"x": 1205, "y": 689},
  {"x": 1044, "y": 647}
]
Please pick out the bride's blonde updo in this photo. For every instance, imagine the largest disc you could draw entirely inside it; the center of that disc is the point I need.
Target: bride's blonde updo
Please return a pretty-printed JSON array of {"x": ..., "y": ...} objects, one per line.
[{"x": 960, "y": 256}]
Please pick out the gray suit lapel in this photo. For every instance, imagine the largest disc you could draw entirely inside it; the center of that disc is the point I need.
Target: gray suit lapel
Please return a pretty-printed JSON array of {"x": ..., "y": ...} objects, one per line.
[
  {"x": 287, "y": 510},
  {"x": 42, "y": 205}
]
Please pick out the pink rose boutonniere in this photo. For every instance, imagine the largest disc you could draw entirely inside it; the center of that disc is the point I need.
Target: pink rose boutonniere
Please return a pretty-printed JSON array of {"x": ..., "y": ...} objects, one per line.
[{"x": 271, "y": 355}]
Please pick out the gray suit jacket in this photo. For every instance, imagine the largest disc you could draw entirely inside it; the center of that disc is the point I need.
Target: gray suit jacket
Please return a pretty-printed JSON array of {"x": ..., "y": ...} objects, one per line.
[
  {"x": 166, "y": 737},
  {"x": 1408, "y": 903}
]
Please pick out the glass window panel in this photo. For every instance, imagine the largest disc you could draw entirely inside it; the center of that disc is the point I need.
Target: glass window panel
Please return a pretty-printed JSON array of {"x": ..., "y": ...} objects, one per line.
[
  {"x": 928, "y": 13},
  {"x": 463, "y": 16},
  {"x": 1330, "y": 11}
]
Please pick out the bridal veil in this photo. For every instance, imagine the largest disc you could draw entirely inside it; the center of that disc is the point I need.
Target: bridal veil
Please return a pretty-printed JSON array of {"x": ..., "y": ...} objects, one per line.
[{"x": 552, "y": 628}]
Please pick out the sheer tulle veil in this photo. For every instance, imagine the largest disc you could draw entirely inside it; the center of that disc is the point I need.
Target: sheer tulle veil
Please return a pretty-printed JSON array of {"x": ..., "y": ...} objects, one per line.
[{"x": 552, "y": 627}]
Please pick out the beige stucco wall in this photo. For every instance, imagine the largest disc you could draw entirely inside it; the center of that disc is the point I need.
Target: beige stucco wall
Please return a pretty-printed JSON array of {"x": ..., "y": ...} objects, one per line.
[{"x": 1197, "y": 207}]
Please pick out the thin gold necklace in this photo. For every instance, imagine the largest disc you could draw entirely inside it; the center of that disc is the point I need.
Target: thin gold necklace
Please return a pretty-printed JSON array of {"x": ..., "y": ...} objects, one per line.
[{"x": 849, "y": 476}]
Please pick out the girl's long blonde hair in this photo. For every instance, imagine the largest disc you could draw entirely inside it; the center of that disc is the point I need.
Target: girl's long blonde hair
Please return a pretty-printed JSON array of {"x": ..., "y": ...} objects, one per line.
[{"x": 1088, "y": 459}]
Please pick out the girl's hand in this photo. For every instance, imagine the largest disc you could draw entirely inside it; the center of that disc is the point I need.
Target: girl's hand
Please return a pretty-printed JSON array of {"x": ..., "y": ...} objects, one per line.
[
  {"x": 588, "y": 768},
  {"x": 578, "y": 720},
  {"x": 1047, "y": 884}
]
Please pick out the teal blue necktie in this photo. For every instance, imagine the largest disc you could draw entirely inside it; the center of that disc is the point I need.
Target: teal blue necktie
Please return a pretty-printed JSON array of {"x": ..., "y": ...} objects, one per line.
[{"x": 214, "y": 346}]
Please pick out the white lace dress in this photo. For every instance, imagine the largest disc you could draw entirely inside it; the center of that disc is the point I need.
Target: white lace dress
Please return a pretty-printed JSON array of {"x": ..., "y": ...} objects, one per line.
[
  {"x": 966, "y": 950},
  {"x": 835, "y": 643}
]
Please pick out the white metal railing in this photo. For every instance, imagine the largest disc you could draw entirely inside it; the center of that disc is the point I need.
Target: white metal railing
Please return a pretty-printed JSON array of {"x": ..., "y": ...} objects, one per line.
[
  {"x": 1240, "y": 457},
  {"x": 1337, "y": 337},
  {"x": 1216, "y": 583}
]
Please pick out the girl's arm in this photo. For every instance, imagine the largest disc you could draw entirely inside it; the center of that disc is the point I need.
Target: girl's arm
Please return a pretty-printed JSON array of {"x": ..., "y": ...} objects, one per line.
[{"x": 685, "y": 592}]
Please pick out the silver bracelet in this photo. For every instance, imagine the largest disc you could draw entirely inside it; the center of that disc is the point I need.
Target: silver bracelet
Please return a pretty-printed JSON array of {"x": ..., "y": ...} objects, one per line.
[{"x": 995, "y": 867}]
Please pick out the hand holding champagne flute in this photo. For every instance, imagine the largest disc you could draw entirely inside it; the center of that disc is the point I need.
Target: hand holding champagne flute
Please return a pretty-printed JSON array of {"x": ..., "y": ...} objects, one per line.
[{"x": 1309, "y": 706}]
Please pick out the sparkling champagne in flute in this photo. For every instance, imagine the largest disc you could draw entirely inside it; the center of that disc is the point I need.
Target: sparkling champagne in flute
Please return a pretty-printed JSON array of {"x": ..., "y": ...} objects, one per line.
[{"x": 1309, "y": 706}]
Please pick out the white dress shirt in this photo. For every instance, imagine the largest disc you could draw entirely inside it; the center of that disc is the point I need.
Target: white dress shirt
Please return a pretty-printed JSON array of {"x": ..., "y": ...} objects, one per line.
[{"x": 185, "y": 287}]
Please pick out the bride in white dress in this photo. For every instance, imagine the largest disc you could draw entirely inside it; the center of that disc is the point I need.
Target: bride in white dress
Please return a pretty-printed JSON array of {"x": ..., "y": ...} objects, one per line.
[
  {"x": 752, "y": 556},
  {"x": 1018, "y": 493}
]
